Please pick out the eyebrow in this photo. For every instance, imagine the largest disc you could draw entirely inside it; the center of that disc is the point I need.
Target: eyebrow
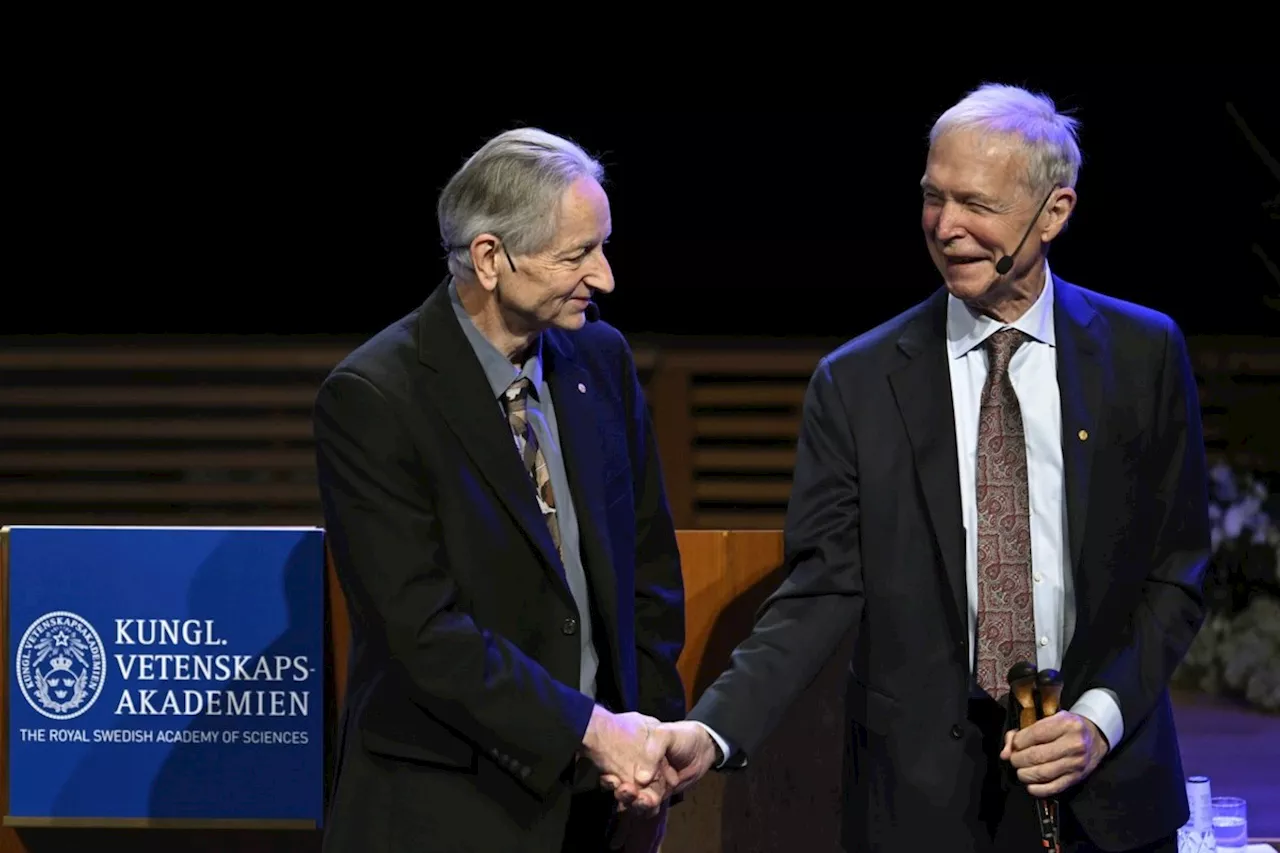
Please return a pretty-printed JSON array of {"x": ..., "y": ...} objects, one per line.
[
  {"x": 928, "y": 186},
  {"x": 576, "y": 248},
  {"x": 583, "y": 246}
]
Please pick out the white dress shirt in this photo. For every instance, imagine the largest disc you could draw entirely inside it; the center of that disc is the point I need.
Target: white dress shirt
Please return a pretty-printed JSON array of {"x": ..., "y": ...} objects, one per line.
[{"x": 1033, "y": 372}]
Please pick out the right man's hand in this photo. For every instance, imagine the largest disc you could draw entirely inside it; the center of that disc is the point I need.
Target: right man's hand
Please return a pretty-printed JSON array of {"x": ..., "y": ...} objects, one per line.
[
  {"x": 684, "y": 750},
  {"x": 620, "y": 746}
]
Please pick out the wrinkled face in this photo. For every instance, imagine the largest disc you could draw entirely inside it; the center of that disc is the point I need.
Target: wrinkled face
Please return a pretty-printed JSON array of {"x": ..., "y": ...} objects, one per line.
[
  {"x": 553, "y": 287},
  {"x": 977, "y": 207}
]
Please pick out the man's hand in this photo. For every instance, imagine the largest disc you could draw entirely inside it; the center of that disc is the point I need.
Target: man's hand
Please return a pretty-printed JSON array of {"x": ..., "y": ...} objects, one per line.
[
  {"x": 633, "y": 833},
  {"x": 689, "y": 750},
  {"x": 1054, "y": 753},
  {"x": 618, "y": 744},
  {"x": 676, "y": 756}
]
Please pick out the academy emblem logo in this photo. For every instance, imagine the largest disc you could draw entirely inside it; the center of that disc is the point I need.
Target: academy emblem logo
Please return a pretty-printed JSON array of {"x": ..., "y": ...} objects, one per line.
[{"x": 61, "y": 665}]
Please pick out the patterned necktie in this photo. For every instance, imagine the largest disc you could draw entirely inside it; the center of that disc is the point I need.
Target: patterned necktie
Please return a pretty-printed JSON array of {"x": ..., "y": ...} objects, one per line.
[
  {"x": 1006, "y": 617},
  {"x": 516, "y": 398}
]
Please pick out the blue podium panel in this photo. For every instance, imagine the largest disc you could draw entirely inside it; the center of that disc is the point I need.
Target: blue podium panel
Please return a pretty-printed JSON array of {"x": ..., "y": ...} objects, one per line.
[{"x": 165, "y": 674}]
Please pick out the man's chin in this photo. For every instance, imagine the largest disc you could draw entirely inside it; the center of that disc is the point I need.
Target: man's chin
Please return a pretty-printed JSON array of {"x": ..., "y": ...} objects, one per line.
[
  {"x": 571, "y": 320},
  {"x": 965, "y": 285}
]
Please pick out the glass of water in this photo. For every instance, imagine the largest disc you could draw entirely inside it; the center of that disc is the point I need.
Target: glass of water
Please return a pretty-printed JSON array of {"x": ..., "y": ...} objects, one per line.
[{"x": 1230, "y": 822}]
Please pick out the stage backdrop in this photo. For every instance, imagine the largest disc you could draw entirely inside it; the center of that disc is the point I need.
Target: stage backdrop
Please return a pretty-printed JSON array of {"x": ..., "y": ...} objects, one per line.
[{"x": 164, "y": 676}]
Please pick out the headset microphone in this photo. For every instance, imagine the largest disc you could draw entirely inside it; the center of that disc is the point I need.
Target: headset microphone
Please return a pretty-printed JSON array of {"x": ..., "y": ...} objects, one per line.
[{"x": 1006, "y": 263}]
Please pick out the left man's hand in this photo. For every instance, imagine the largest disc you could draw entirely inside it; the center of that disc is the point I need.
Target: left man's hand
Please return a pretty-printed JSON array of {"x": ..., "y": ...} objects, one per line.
[
  {"x": 637, "y": 833},
  {"x": 1055, "y": 753}
]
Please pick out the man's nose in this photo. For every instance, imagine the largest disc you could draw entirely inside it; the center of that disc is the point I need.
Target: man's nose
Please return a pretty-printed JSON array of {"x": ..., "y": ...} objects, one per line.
[
  {"x": 949, "y": 225},
  {"x": 600, "y": 275}
]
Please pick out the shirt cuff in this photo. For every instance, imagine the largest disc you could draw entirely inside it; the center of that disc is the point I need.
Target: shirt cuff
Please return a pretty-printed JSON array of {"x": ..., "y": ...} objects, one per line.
[
  {"x": 1101, "y": 707},
  {"x": 724, "y": 747}
]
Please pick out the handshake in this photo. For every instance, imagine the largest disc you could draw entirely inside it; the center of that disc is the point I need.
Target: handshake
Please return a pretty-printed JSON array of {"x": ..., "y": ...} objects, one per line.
[{"x": 645, "y": 762}]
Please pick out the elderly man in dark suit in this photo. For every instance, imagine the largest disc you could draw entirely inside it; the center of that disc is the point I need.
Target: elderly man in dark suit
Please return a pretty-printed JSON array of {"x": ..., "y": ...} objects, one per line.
[
  {"x": 1011, "y": 471},
  {"x": 497, "y": 518}
]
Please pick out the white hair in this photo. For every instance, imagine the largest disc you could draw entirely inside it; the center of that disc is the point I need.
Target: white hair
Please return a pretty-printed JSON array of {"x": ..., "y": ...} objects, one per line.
[
  {"x": 510, "y": 188},
  {"x": 1048, "y": 137}
]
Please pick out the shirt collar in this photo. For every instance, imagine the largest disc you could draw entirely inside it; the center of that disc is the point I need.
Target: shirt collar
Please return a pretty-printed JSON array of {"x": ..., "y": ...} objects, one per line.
[
  {"x": 497, "y": 369},
  {"x": 967, "y": 329}
]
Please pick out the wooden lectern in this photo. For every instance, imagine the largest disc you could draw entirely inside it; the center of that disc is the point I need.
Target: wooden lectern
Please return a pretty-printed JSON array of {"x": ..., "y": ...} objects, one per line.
[{"x": 789, "y": 799}]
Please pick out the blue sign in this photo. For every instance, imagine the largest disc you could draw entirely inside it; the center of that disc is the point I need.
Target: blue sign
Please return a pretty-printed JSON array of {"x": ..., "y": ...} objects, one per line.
[{"x": 166, "y": 673}]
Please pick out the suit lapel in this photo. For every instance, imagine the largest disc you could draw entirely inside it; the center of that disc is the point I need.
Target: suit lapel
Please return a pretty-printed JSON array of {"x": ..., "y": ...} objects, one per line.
[
  {"x": 458, "y": 383},
  {"x": 572, "y": 394},
  {"x": 1081, "y": 353},
  {"x": 922, "y": 389}
]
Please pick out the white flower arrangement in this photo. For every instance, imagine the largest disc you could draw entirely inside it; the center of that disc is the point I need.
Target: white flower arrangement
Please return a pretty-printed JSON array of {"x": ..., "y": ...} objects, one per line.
[
  {"x": 1236, "y": 507},
  {"x": 1237, "y": 651}
]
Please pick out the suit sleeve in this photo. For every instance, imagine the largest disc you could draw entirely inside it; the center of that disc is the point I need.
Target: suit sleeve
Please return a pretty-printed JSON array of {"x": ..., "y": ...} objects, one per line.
[
  {"x": 659, "y": 593},
  {"x": 1171, "y": 608},
  {"x": 387, "y": 549},
  {"x": 804, "y": 620}
]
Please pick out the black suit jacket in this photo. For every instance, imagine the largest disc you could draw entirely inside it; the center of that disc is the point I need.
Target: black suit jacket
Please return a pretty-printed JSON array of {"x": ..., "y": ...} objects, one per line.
[
  {"x": 462, "y": 716},
  {"x": 874, "y": 539}
]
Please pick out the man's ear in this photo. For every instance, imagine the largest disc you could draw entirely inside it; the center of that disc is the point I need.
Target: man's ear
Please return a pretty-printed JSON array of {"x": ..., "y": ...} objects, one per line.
[
  {"x": 485, "y": 252},
  {"x": 1057, "y": 212}
]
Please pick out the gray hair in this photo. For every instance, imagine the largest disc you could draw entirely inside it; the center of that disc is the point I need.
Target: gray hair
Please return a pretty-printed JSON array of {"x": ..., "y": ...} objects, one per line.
[
  {"x": 511, "y": 188},
  {"x": 1047, "y": 136}
]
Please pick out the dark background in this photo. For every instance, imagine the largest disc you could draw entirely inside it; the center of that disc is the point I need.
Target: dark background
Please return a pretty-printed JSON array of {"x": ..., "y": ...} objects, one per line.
[{"x": 227, "y": 203}]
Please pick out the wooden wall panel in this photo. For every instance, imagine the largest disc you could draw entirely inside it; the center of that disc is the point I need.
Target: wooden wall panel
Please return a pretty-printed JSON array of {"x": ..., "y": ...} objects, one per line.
[{"x": 151, "y": 431}]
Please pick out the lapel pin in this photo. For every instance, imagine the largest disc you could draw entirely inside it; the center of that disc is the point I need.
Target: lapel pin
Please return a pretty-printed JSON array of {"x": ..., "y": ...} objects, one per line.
[
  {"x": 1083, "y": 434},
  {"x": 582, "y": 389}
]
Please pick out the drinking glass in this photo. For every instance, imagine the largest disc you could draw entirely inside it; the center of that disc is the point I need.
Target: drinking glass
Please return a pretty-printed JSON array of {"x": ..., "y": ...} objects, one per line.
[{"x": 1230, "y": 822}]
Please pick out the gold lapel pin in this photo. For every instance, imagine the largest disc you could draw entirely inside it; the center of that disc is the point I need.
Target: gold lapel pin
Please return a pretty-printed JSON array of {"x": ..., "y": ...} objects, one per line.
[
  {"x": 1083, "y": 434},
  {"x": 582, "y": 389}
]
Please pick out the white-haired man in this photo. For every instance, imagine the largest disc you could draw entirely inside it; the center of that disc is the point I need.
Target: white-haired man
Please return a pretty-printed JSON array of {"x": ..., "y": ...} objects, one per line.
[
  {"x": 497, "y": 519},
  {"x": 1012, "y": 471}
]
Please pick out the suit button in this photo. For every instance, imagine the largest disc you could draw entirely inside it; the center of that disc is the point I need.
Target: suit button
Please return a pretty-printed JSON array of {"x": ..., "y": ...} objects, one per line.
[
  {"x": 570, "y": 626},
  {"x": 957, "y": 732}
]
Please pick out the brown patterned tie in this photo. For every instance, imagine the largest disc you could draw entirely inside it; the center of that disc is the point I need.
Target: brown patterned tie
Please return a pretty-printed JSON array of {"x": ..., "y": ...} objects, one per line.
[
  {"x": 1006, "y": 618},
  {"x": 516, "y": 398}
]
